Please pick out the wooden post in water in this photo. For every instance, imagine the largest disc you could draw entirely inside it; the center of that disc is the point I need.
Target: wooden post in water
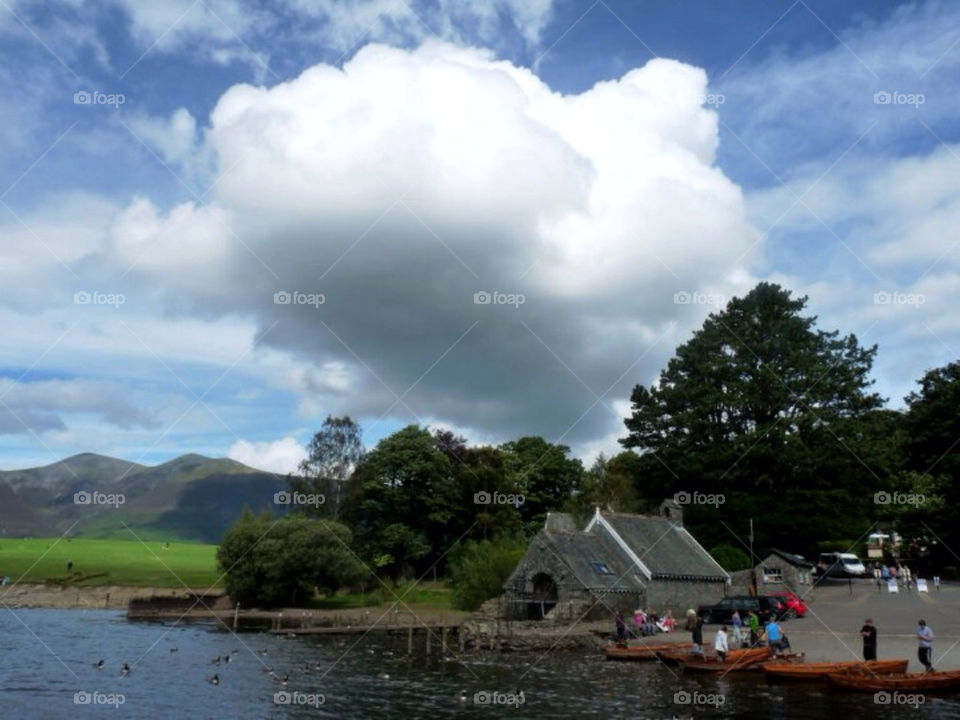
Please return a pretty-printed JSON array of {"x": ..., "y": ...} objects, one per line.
[{"x": 410, "y": 640}]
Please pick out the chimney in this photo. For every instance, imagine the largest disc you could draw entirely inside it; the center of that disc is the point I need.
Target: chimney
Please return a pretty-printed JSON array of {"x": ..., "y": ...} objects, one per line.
[{"x": 672, "y": 510}]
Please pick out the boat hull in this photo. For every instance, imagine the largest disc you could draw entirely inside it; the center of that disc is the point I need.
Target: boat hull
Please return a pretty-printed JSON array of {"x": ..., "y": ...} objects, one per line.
[
  {"x": 734, "y": 663},
  {"x": 818, "y": 671},
  {"x": 942, "y": 682},
  {"x": 640, "y": 653}
]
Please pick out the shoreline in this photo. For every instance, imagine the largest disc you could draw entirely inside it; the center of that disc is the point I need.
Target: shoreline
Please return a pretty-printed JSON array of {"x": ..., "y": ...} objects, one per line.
[{"x": 91, "y": 597}]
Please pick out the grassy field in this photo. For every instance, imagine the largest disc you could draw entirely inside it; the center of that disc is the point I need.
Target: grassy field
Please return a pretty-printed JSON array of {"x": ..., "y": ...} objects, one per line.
[
  {"x": 129, "y": 563},
  {"x": 109, "y": 562},
  {"x": 425, "y": 596}
]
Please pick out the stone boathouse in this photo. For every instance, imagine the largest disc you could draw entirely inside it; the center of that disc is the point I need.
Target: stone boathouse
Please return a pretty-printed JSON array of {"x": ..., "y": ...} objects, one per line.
[{"x": 619, "y": 561}]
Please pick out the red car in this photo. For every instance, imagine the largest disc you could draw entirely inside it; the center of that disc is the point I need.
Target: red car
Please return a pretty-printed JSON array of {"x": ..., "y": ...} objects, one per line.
[{"x": 796, "y": 607}]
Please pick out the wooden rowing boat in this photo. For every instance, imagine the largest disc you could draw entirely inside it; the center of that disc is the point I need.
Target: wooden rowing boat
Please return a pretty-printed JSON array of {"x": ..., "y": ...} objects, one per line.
[
  {"x": 742, "y": 660},
  {"x": 674, "y": 657},
  {"x": 644, "y": 652},
  {"x": 820, "y": 670},
  {"x": 898, "y": 682},
  {"x": 786, "y": 658}
]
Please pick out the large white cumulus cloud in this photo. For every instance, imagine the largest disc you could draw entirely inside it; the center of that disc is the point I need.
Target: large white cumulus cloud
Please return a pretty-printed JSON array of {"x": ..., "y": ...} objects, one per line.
[{"x": 403, "y": 183}]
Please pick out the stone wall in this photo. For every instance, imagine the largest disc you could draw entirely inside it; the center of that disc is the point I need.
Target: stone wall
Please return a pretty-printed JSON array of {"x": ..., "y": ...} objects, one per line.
[{"x": 678, "y": 595}]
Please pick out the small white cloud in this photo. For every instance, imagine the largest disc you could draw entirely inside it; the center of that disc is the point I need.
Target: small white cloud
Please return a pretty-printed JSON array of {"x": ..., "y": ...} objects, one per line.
[{"x": 280, "y": 456}]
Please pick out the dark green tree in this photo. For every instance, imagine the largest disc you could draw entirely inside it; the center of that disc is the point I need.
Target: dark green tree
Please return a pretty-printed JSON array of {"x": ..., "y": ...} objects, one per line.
[
  {"x": 773, "y": 413},
  {"x": 270, "y": 562},
  {"x": 403, "y": 503},
  {"x": 544, "y": 474},
  {"x": 932, "y": 449},
  {"x": 609, "y": 484},
  {"x": 478, "y": 569}
]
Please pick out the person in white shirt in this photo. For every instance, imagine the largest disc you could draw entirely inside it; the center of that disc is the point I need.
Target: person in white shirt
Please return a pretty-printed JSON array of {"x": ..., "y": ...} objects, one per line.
[{"x": 720, "y": 643}]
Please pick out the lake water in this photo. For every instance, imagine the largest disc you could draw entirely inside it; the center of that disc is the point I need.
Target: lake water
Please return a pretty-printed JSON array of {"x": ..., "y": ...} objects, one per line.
[{"x": 47, "y": 658}]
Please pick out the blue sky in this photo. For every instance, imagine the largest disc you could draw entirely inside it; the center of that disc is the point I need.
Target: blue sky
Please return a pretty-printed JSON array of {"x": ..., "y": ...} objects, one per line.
[{"x": 594, "y": 157}]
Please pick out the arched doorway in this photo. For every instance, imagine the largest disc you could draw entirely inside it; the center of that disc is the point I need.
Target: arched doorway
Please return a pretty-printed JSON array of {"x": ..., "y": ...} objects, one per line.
[{"x": 544, "y": 596}]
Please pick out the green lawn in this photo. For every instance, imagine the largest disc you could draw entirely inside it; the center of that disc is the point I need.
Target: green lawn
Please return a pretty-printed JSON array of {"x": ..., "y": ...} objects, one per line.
[
  {"x": 433, "y": 596},
  {"x": 109, "y": 562}
]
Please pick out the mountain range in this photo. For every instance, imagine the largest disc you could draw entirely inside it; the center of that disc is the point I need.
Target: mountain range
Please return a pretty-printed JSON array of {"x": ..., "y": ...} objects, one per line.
[{"x": 191, "y": 497}]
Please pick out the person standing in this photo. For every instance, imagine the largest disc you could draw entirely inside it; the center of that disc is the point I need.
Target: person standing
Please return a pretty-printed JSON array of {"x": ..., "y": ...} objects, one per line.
[
  {"x": 936, "y": 582},
  {"x": 774, "y": 634},
  {"x": 720, "y": 644},
  {"x": 696, "y": 636},
  {"x": 754, "y": 622},
  {"x": 737, "y": 623},
  {"x": 621, "y": 629},
  {"x": 869, "y": 634},
  {"x": 925, "y": 645}
]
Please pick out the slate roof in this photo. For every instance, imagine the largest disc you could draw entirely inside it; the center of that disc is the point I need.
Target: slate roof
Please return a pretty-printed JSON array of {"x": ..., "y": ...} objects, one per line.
[
  {"x": 794, "y": 560},
  {"x": 580, "y": 552},
  {"x": 664, "y": 546}
]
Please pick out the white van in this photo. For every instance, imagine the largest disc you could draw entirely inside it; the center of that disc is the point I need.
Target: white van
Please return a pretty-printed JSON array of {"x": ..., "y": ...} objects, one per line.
[{"x": 841, "y": 565}]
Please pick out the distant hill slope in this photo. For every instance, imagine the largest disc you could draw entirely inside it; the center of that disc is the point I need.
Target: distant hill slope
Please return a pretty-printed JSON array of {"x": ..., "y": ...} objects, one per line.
[{"x": 191, "y": 497}]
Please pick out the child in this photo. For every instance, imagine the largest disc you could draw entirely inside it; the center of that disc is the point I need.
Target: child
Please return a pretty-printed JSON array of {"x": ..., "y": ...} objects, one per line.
[{"x": 720, "y": 643}]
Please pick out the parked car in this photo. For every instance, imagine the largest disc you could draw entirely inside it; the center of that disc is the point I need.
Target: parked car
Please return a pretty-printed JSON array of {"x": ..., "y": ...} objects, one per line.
[
  {"x": 760, "y": 604},
  {"x": 796, "y": 607},
  {"x": 840, "y": 565}
]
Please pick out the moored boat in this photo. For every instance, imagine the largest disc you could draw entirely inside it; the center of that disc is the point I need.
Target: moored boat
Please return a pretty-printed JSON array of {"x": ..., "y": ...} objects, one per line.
[
  {"x": 820, "y": 670},
  {"x": 736, "y": 660},
  {"x": 644, "y": 652},
  {"x": 931, "y": 682},
  {"x": 786, "y": 658}
]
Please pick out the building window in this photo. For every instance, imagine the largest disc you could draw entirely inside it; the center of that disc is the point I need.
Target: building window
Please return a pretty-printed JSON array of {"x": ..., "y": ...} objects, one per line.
[
  {"x": 772, "y": 575},
  {"x": 602, "y": 568}
]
